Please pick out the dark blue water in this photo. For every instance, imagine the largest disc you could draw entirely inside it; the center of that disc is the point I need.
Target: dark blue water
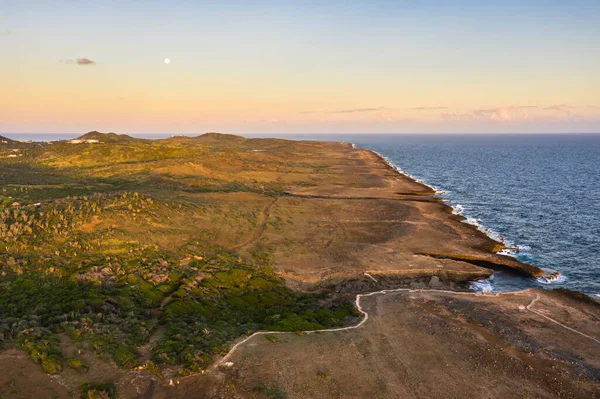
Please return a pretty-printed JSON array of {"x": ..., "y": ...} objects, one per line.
[{"x": 539, "y": 192}]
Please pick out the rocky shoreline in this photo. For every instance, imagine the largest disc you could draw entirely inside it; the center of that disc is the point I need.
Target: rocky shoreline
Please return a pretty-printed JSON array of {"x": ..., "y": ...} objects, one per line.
[{"x": 395, "y": 190}]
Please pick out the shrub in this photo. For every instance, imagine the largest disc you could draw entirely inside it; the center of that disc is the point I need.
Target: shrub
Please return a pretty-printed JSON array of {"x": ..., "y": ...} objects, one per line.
[
  {"x": 98, "y": 390},
  {"x": 77, "y": 364},
  {"x": 271, "y": 338},
  {"x": 125, "y": 358},
  {"x": 51, "y": 364}
]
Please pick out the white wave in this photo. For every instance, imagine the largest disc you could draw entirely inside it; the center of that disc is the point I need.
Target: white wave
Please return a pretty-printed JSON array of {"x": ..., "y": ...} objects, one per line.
[
  {"x": 494, "y": 235},
  {"x": 458, "y": 209},
  {"x": 506, "y": 252},
  {"x": 472, "y": 222},
  {"x": 552, "y": 278},
  {"x": 397, "y": 169},
  {"x": 510, "y": 249},
  {"x": 485, "y": 285}
]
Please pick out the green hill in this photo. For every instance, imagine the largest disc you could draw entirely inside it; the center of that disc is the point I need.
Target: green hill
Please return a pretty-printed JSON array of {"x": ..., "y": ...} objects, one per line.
[{"x": 107, "y": 137}]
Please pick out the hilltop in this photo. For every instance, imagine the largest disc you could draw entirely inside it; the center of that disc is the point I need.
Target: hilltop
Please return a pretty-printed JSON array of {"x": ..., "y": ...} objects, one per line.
[
  {"x": 213, "y": 136},
  {"x": 106, "y": 137}
]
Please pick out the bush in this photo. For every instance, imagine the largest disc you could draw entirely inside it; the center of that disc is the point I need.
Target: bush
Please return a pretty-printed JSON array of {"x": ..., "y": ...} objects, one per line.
[
  {"x": 125, "y": 357},
  {"x": 271, "y": 338},
  {"x": 43, "y": 347},
  {"x": 51, "y": 364},
  {"x": 77, "y": 364},
  {"x": 98, "y": 390}
]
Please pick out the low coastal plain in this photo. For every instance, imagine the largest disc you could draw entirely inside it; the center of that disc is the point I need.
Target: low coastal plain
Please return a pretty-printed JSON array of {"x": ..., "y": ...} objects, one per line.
[{"x": 131, "y": 267}]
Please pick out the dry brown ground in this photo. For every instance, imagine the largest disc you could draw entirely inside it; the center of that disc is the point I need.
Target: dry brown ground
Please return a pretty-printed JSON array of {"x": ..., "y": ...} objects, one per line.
[{"x": 425, "y": 344}]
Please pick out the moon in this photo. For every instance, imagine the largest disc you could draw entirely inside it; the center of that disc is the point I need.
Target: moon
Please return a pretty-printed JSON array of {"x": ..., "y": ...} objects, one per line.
[{"x": 167, "y": 61}]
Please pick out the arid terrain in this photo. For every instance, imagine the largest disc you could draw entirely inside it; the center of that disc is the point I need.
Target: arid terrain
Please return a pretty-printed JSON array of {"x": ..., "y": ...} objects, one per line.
[
  {"x": 131, "y": 266},
  {"x": 427, "y": 344}
]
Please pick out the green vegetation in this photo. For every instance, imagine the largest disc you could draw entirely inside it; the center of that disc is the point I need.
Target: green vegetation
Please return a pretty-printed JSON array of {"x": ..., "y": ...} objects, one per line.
[
  {"x": 271, "y": 338},
  {"x": 98, "y": 390},
  {"x": 228, "y": 298},
  {"x": 101, "y": 243},
  {"x": 77, "y": 364}
]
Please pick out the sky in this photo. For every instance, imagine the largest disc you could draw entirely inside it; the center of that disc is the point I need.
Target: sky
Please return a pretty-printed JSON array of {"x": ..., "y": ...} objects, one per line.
[{"x": 377, "y": 66}]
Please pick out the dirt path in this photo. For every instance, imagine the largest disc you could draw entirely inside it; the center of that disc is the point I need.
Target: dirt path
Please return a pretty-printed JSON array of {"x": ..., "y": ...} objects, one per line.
[
  {"x": 224, "y": 359},
  {"x": 537, "y": 298},
  {"x": 261, "y": 227},
  {"x": 156, "y": 333}
]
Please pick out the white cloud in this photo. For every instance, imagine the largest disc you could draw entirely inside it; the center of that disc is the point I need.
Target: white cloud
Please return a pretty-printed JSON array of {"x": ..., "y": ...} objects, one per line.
[{"x": 78, "y": 61}]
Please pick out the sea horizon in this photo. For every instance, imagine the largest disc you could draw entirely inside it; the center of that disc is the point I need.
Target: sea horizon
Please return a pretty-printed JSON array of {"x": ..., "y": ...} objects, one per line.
[{"x": 44, "y": 136}]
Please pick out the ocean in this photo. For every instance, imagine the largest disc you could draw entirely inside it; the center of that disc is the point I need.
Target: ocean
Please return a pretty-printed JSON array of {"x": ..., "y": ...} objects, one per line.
[{"x": 540, "y": 194}]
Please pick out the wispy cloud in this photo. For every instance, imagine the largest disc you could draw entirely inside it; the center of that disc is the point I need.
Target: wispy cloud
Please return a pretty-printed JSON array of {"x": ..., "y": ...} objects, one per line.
[
  {"x": 372, "y": 109},
  {"x": 427, "y": 108},
  {"x": 78, "y": 61},
  {"x": 517, "y": 113},
  {"x": 345, "y": 111},
  {"x": 504, "y": 113},
  {"x": 457, "y": 116},
  {"x": 509, "y": 113},
  {"x": 357, "y": 110},
  {"x": 560, "y": 108},
  {"x": 498, "y": 114}
]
